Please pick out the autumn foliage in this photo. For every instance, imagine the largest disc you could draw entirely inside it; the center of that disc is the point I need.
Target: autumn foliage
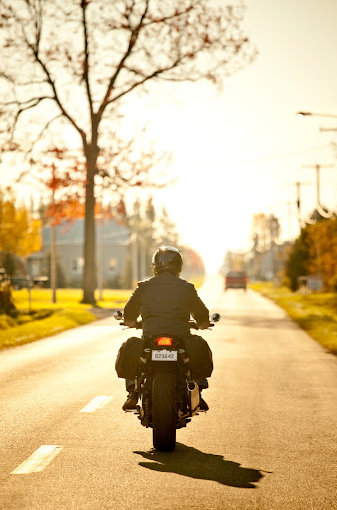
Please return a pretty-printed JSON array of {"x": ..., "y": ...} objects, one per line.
[
  {"x": 315, "y": 253},
  {"x": 19, "y": 230}
]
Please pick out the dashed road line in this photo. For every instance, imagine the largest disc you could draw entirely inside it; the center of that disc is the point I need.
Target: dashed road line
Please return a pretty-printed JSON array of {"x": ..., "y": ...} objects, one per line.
[
  {"x": 38, "y": 460},
  {"x": 96, "y": 403}
]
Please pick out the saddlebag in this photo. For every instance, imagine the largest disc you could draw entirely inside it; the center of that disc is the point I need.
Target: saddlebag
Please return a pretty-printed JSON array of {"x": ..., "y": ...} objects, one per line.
[
  {"x": 200, "y": 357},
  {"x": 128, "y": 357}
]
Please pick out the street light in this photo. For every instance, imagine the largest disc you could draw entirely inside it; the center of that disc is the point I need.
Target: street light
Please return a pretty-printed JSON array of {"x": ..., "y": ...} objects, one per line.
[
  {"x": 322, "y": 129},
  {"x": 310, "y": 114}
]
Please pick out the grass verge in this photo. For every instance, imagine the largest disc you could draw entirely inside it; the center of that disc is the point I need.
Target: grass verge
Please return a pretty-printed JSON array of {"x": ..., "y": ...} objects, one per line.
[
  {"x": 18, "y": 331},
  {"x": 40, "y": 318},
  {"x": 41, "y": 298},
  {"x": 315, "y": 313}
]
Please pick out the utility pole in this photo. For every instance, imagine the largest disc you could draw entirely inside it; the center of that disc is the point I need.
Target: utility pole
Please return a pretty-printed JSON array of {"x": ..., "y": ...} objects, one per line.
[
  {"x": 134, "y": 249},
  {"x": 142, "y": 258},
  {"x": 53, "y": 242},
  {"x": 320, "y": 210},
  {"x": 298, "y": 185},
  {"x": 318, "y": 167},
  {"x": 100, "y": 253}
]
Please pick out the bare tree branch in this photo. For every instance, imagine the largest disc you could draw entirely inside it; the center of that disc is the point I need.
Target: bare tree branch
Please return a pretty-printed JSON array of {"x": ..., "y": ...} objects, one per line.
[
  {"x": 84, "y": 4},
  {"x": 141, "y": 82},
  {"x": 132, "y": 41},
  {"x": 42, "y": 132},
  {"x": 86, "y": 56}
]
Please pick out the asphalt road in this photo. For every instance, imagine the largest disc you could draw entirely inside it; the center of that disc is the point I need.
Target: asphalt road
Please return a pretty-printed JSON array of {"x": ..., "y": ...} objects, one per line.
[{"x": 268, "y": 441}]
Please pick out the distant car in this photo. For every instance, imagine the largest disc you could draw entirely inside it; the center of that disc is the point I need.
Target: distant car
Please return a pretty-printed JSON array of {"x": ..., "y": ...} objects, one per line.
[
  {"x": 236, "y": 280},
  {"x": 41, "y": 281}
]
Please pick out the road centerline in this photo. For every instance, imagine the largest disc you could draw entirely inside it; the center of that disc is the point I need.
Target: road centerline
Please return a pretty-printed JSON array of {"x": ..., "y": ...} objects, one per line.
[
  {"x": 96, "y": 403},
  {"x": 39, "y": 460}
]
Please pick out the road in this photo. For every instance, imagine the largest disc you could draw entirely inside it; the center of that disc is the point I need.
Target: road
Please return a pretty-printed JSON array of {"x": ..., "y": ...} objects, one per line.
[{"x": 268, "y": 441}]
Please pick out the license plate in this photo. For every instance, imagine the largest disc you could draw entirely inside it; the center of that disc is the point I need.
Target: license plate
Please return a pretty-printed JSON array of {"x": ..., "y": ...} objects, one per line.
[{"x": 164, "y": 355}]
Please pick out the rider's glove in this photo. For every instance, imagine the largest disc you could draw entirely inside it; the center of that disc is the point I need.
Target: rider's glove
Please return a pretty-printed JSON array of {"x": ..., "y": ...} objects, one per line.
[
  {"x": 204, "y": 325},
  {"x": 130, "y": 324}
]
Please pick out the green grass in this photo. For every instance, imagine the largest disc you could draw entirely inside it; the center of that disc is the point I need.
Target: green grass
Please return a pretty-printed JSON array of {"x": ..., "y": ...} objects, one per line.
[
  {"x": 23, "y": 329},
  {"x": 44, "y": 318},
  {"x": 316, "y": 313},
  {"x": 41, "y": 298}
]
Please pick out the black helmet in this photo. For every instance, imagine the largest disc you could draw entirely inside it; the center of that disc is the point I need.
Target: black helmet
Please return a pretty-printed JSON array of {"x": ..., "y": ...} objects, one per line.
[{"x": 167, "y": 258}]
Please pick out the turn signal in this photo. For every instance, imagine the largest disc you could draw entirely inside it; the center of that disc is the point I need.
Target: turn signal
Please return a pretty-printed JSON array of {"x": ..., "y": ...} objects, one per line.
[{"x": 164, "y": 340}]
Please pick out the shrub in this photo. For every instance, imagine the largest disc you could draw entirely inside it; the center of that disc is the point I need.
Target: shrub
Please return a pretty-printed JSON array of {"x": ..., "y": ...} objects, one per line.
[{"x": 6, "y": 322}]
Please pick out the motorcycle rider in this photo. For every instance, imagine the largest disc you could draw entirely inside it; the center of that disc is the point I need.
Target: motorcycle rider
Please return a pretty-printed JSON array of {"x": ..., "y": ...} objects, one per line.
[{"x": 165, "y": 303}]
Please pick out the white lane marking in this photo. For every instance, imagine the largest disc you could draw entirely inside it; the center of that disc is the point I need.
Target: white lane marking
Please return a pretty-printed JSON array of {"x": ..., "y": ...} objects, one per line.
[
  {"x": 96, "y": 403},
  {"x": 38, "y": 460}
]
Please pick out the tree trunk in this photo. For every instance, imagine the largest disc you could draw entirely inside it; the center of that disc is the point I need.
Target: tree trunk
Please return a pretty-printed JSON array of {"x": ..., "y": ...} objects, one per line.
[{"x": 89, "y": 270}]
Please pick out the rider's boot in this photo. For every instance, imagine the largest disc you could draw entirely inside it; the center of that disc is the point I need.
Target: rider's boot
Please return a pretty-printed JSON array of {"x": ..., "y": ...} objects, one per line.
[{"x": 131, "y": 401}]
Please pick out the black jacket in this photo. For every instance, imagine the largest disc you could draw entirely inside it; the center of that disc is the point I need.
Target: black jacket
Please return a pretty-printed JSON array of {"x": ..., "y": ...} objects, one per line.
[{"x": 165, "y": 303}]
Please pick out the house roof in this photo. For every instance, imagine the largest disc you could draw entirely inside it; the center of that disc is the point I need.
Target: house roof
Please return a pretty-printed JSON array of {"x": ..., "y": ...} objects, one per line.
[{"x": 72, "y": 233}]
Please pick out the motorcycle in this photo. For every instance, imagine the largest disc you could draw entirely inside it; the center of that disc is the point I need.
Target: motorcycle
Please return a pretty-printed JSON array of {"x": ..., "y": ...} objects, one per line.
[{"x": 169, "y": 397}]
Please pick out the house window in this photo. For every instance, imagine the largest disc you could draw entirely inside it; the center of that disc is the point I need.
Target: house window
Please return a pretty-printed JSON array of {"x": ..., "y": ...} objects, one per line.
[{"x": 77, "y": 265}]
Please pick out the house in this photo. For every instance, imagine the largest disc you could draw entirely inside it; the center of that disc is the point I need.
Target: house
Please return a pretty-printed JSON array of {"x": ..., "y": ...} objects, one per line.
[{"x": 112, "y": 241}]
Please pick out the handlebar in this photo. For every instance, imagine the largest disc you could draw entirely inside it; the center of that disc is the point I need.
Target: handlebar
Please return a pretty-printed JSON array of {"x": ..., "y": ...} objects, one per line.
[{"x": 139, "y": 324}]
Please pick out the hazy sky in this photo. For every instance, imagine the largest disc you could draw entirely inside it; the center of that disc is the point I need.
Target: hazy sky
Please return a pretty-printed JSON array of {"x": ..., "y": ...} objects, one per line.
[{"x": 238, "y": 151}]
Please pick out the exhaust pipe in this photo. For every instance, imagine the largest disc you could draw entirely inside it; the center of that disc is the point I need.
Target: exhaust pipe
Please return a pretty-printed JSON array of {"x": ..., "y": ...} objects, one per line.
[{"x": 193, "y": 397}]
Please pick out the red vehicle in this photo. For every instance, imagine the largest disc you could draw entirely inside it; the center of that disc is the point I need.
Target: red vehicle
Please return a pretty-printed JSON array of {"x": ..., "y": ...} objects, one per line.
[{"x": 236, "y": 280}]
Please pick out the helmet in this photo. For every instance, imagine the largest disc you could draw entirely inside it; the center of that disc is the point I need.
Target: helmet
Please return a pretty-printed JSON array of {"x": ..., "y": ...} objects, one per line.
[{"x": 167, "y": 258}]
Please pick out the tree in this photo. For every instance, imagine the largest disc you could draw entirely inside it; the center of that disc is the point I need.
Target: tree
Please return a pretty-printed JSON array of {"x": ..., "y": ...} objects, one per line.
[
  {"x": 266, "y": 230},
  {"x": 166, "y": 234},
  {"x": 323, "y": 252},
  {"x": 6, "y": 304},
  {"x": 315, "y": 253},
  {"x": 297, "y": 262},
  {"x": 19, "y": 231},
  {"x": 73, "y": 62}
]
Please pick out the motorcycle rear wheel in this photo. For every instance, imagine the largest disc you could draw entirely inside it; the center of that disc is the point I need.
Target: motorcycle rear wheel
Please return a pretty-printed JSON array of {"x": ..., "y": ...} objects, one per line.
[{"x": 164, "y": 411}]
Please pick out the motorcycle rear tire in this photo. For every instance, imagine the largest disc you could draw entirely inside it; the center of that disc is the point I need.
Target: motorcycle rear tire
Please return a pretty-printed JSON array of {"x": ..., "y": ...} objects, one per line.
[{"x": 164, "y": 411}]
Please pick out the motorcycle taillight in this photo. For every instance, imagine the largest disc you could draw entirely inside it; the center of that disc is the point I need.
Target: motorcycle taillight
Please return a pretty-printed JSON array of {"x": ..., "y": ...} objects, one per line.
[{"x": 164, "y": 340}]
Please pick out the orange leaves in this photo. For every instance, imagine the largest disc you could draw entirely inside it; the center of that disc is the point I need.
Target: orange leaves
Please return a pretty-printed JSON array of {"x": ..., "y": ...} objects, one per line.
[
  {"x": 65, "y": 210},
  {"x": 64, "y": 176},
  {"x": 121, "y": 209},
  {"x": 323, "y": 251}
]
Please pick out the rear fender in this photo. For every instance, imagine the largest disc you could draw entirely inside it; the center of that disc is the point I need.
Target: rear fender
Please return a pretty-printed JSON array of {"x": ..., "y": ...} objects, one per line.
[{"x": 164, "y": 366}]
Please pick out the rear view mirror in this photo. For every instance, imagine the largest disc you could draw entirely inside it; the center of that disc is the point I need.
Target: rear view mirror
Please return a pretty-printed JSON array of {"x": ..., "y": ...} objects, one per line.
[
  {"x": 118, "y": 315},
  {"x": 215, "y": 317}
]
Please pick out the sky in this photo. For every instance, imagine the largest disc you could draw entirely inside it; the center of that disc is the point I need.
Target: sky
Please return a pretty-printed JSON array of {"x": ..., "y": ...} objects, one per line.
[{"x": 238, "y": 151}]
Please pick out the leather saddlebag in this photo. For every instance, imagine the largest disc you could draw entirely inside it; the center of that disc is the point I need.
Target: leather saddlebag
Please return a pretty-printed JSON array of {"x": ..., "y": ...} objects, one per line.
[
  {"x": 200, "y": 357},
  {"x": 128, "y": 357}
]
